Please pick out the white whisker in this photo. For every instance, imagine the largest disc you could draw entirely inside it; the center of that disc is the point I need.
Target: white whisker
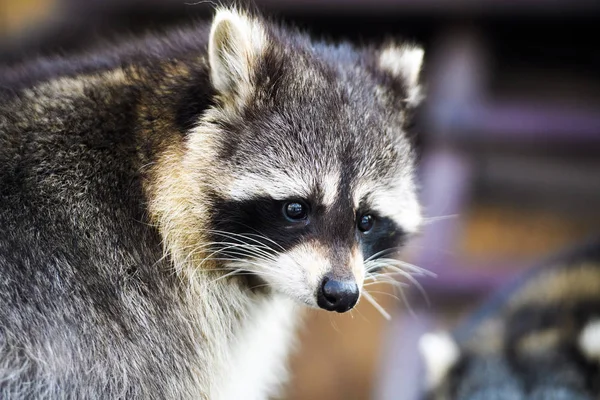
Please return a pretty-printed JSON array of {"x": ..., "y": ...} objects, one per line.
[
  {"x": 431, "y": 220},
  {"x": 377, "y": 306}
]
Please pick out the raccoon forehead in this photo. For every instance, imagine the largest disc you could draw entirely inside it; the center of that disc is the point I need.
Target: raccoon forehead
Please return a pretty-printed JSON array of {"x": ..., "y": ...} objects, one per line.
[{"x": 281, "y": 184}]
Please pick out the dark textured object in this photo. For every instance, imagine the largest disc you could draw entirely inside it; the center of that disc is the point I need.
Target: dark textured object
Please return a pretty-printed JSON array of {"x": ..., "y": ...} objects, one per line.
[{"x": 537, "y": 339}]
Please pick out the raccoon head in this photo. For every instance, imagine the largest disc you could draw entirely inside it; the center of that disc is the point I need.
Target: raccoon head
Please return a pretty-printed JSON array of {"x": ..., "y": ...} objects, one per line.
[{"x": 302, "y": 164}]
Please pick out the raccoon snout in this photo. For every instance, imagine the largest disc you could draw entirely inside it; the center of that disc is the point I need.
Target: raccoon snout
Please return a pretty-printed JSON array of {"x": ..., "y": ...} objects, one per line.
[{"x": 337, "y": 295}]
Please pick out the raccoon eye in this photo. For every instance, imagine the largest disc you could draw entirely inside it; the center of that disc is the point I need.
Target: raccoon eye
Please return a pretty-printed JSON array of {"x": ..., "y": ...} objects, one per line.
[
  {"x": 295, "y": 211},
  {"x": 365, "y": 223}
]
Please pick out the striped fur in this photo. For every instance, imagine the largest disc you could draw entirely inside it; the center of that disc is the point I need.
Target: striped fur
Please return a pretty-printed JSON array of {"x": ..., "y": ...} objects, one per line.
[{"x": 143, "y": 250}]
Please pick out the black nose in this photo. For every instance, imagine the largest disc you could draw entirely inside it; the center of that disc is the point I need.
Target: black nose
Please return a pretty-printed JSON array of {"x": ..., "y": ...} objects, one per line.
[{"x": 337, "y": 295}]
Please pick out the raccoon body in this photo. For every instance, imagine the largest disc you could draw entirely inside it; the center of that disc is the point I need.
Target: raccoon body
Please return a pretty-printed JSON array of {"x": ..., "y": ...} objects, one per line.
[
  {"x": 169, "y": 204},
  {"x": 538, "y": 339}
]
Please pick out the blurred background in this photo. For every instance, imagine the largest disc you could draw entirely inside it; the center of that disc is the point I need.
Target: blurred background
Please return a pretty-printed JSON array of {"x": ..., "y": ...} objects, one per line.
[{"x": 509, "y": 141}]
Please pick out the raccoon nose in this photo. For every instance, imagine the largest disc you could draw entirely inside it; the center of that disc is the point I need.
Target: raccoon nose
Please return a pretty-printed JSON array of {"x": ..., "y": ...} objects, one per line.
[{"x": 337, "y": 295}]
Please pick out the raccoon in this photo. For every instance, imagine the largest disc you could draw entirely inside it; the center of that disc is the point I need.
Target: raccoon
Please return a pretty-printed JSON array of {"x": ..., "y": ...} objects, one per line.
[
  {"x": 538, "y": 339},
  {"x": 168, "y": 205}
]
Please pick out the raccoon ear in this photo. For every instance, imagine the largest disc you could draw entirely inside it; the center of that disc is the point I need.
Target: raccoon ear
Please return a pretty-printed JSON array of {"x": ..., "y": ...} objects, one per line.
[
  {"x": 236, "y": 43},
  {"x": 404, "y": 62},
  {"x": 440, "y": 353}
]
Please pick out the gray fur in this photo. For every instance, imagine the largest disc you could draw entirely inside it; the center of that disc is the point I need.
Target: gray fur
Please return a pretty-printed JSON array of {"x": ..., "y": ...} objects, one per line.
[{"x": 115, "y": 169}]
